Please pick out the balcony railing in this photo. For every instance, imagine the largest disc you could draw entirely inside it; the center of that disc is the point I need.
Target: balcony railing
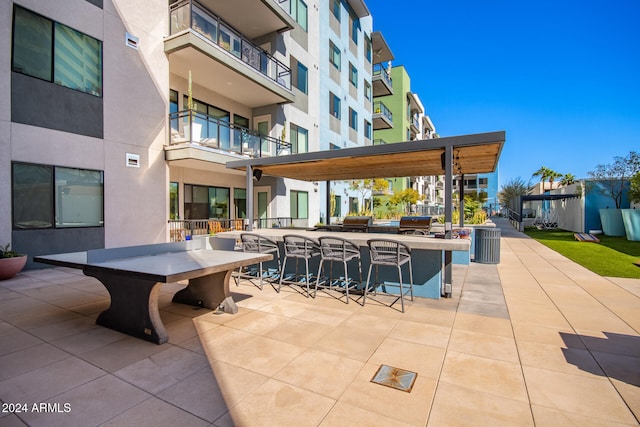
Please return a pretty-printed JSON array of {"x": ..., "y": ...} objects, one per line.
[
  {"x": 415, "y": 123},
  {"x": 379, "y": 141},
  {"x": 191, "y": 14},
  {"x": 380, "y": 70},
  {"x": 380, "y": 108},
  {"x": 194, "y": 127},
  {"x": 186, "y": 229}
]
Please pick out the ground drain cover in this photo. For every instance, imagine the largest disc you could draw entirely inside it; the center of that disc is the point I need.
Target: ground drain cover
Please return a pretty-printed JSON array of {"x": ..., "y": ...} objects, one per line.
[{"x": 400, "y": 379}]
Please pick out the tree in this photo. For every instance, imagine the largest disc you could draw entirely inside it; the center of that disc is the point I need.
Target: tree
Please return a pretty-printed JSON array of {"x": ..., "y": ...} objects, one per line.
[
  {"x": 613, "y": 177},
  {"x": 634, "y": 189},
  {"x": 567, "y": 179},
  {"x": 512, "y": 190},
  {"x": 408, "y": 196},
  {"x": 366, "y": 187},
  {"x": 546, "y": 174}
]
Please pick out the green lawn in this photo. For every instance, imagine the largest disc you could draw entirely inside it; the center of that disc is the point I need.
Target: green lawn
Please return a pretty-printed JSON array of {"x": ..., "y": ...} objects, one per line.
[{"x": 613, "y": 256}]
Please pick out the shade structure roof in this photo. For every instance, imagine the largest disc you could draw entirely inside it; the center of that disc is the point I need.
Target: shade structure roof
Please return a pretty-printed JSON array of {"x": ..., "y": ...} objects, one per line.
[{"x": 474, "y": 153}]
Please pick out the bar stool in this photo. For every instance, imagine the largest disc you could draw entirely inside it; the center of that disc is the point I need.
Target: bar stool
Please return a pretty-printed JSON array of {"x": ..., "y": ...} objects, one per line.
[
  {"x": 298, "y": 247},
  {"x": 340, "y": 250},
  {"x": 256, "y": 243},
  {"x": 390, "y": 253}
]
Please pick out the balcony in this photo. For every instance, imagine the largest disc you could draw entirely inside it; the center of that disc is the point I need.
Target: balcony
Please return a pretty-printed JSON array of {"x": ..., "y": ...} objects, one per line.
[
  {"x": 222, "y": 59},
  {"x": 253, "y": 18},
  {"x": 379, "y": 141},
  {"x": 382, "y": 117},
  {"x": 382, "y": 83},
  {"x": 414, "y": 125},
  {"x": 199, "y": 136}
]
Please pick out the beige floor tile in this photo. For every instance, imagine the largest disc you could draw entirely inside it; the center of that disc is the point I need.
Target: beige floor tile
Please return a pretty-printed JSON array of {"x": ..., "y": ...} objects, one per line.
[
  {"x": 320, "y": 372},
  {"x": 278, "y": 404},
  {"x": 569, "y": 360},
  {"x": 485, "y": 375},
  {"x": 369, "y": 322},
  {"x": 257, "y": 322},
  {"x": 235, "y": 383},
  {"x": 421, "y": 333},
  {"x": 437, "y": 317},
  {"x": 479, "y": 344},
  {"x": 155, "y": 412},
  {"x": 631, "y": 395},
  {"x": 199, "y": 394},
  {"x": 483, "y": 324},
  {"x": 456, "y": 405},
  {"x": 284, "y": 308},
  {"x": 591, "y": 397},
  {"x": 343, "y": 415},
  {"x": 64, "y": 328},
  {"x": 561, "y": 337},
  {"x": 411, "y": 408},
  {"x": 14, "y": 339},
  {"x": 115, "y": 397},
  {"x": 323, "y": 315},
  {"x": 549, "y": 417},
  {"x": 259, "y": 354},
  {"x": 610, "y": 342},
  {"x": 29, "y": 359},
  {"x": 118, "y": 354},
  {"x": 354, "y": 343},
  {"x": 298, "y": 332},
  {"x": 422, "y": 359},
  {"x": 41, "y": 384}
]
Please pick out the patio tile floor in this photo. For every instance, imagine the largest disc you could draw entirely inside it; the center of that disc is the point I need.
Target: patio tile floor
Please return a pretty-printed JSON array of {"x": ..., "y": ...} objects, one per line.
[{"x": 535, "y": 340}]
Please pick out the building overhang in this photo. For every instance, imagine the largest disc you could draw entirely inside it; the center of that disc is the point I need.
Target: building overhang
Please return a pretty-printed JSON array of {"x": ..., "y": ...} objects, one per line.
[
  {"x": 221, "y": 72},
  {"x": 359, "y": 8},
  {"x": 381, "y": 50},
  {"x": 475, "y": 153},
  {"x": 253, "y": 18},
  {"x": 414, "y": 103},
  {"x": 193, "y": 156}
]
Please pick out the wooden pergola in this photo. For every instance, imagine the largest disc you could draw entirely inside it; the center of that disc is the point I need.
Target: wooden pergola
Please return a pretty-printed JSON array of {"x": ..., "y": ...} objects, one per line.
[{"x": 448, "y": 156}]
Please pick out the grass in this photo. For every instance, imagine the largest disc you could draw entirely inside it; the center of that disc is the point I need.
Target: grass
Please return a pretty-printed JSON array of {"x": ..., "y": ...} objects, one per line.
[{"x": 613, "y": 256}]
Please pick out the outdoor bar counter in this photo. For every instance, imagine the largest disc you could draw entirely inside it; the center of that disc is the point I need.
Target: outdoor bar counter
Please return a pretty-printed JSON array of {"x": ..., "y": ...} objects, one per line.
[{"x": 427, "y": 255}]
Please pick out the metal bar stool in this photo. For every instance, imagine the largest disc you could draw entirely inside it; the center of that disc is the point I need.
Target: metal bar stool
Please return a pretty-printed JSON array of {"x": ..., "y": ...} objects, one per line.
[
  {"x": 391, "y": 253},
  {"x": 298, "y": 247},
  {"x": 339, "y": 250},
  {"x": 256, "y": 243}
]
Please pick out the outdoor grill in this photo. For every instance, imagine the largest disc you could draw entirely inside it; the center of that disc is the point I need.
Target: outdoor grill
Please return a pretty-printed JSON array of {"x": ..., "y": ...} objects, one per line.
[
  {"x": 357, "y": 223},
  {"x": 415, "y": 225}
]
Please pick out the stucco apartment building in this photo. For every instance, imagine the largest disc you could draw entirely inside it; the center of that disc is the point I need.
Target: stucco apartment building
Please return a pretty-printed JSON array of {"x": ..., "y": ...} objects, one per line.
[{"x": 116, "y": 116}]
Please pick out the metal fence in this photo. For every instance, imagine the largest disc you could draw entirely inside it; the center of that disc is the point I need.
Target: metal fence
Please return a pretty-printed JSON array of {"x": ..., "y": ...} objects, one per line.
[{"x": 186, "y": 229}]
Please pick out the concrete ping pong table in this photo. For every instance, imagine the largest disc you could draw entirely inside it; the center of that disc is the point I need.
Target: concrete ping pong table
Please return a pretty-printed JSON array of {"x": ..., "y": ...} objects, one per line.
[{"x": 134, "y": 275}]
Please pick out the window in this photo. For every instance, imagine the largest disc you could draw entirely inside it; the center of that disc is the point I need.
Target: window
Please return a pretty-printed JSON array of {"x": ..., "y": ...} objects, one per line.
[
  {"x": 201, "y": 202},
  {"x": 299, "y": 13},
  {"x": 334, "y": 105},
  {"x": 300, "y": 78},
  {"x": 338, "y": 208},
  {"x": 335, "y": 8},
  {"x": 174, "y": 212},
  {"x": 299, "y": 139},
  {"x": 353, "y": 74},
  {"x": 240, "y": 202},
  {"x": 56, "y": 53},
  {"x": 353, "y": 119},
  {"x": 210, "y": 122},
  {"x": 354, "y": 205},
  {"x": 173, "y": 109},
  {"x": 56, "y": 197},
  {"x": 368, "y": 50},
  {"x": 367, "y": 129},
  {"x": 354, "y": 23},
  {"x": 367, "y": 90},
  {"x": 299, "y": 204},
  {"x": 483, "y": 181},
  {"x": 334, "y": 55}
]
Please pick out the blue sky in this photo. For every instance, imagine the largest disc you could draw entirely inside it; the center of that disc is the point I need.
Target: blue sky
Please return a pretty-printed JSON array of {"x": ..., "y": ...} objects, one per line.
[{"x": 562, "y": 78}]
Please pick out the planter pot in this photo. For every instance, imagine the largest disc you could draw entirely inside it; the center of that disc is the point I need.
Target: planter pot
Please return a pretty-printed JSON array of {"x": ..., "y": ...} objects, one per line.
[
  {"x": 9, "y": 267},
  {"x": 612, "y": 224},
  {"x": 631, "y": 219}
]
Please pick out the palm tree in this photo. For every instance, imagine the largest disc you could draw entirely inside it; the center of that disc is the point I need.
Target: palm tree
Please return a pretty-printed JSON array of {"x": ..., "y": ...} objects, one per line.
[
  {"x": 567, "y": 179},
  {"x": 553, "y": 175},
  {"x": 547, "y": 174}
]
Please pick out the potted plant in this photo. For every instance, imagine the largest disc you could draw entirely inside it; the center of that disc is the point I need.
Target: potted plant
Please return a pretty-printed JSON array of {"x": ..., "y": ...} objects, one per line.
[
  {"x": 612, "y": 180},
  {"x": 11, "y": 262},
  {"x": 631, "y": 217}
]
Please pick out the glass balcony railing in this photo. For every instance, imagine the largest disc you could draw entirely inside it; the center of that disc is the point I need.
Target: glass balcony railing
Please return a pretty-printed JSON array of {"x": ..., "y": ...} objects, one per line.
[
  {"x": 379, "y": 141},
  {"x": 191, "y": 14},
  {"x": 208, "y": 131},
  {"x": 380, "y": 70},
  {"x": 380, "y": 108},
  {"x": 415, "y": 123}
]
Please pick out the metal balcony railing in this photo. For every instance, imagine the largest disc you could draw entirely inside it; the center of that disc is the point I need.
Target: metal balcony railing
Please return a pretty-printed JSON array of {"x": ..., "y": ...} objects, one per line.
[
  {"x": 380, "y": 70},
  {"x": 380, "y": 108},
  {"x": 379, "y": 141},
  {"x": 415, "y": 122},
  {"x": 186, "y": 229},
  {"x": 194, "y": 127},
  {"x": 191, "y": 14}
]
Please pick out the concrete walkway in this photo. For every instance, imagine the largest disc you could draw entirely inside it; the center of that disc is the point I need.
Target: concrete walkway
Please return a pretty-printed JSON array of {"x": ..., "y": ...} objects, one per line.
[{"x": 534, "y": 340}]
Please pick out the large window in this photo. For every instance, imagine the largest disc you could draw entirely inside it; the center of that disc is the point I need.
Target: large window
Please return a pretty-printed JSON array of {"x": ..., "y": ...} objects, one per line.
[
  {"x": 54, "y": 52},
  {"x": 367, "y": 90},
  {"x": 201, "y": 202},
  {"x": 334, "y": 55},
  {"x": 355, "y": 26},
  {"x": 334, "y": 105},
  {"x": 299, "y": 139},
  {"x": 210, "y": 122},
  {"x": 299, "y": 13},
  {"x": 174, "y": 209},
  {"x": 299, "y": 204},
  {"x": 335, "y": 8},
  {"x": 353, "y": 119},
  {"x": 353, "y": 74},
  {"x": 300, "y": 75},
  {"x": 56, "y": 197},
  {"x": 367, "y": 129},
  {"x": 367, "y": 48},
  {"x": 240, "y": 202}
]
